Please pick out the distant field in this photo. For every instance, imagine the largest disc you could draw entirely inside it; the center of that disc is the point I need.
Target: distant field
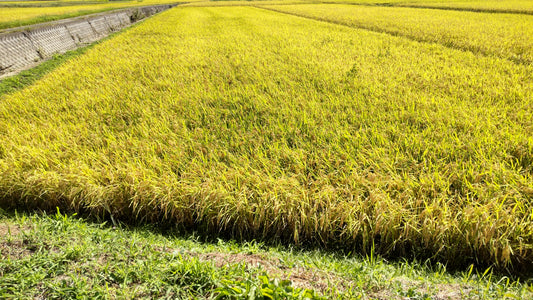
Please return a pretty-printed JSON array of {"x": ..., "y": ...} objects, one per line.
[
  {"x": 496, "y": 6},
  {"x": 19, "y": 16},
  {"x": 13, "y": 14},
  {"x": 54, "y": 3},
  {"x": 216, "y": 3},
  {"x": 504, "y": 35},
  {"x": 515, "y": 6},
  {"x": 20, "y": 13},
  {"x": 250, "y": 123}
]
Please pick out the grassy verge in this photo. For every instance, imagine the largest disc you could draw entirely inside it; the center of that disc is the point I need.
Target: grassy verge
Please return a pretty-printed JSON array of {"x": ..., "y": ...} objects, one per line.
[{"x": 60, "y": 256}]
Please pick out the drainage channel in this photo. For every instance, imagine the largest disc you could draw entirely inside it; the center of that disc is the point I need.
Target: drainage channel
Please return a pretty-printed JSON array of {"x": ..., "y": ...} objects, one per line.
[{"x": 25, "y": 47}]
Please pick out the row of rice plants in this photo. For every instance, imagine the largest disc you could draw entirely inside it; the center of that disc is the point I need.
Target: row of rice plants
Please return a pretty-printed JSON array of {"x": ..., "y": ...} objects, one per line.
[
  {"x": 504, "y": 35},
  {"x": 254, "y": 124}
]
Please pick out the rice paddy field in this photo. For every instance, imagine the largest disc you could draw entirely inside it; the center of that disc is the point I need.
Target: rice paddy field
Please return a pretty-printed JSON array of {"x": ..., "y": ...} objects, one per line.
[
  {"x": 400, "y": 131},
  {"x": 19, "y": 16},
  {"x": 498, "y": 6},
  {"x": 21, "y": 13},
  {"x": 502, "y": 35},
  {"x": 513, "y": 6}
]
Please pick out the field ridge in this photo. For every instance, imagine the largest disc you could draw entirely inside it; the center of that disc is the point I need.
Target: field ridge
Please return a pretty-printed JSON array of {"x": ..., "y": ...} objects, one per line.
[{"x": 60, "y": 256}]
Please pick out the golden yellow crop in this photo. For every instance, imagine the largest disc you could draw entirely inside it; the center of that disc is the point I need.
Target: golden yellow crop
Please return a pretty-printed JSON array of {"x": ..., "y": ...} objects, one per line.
[
  {"x": 43, "y": 11},
  {"x": 256, "y": 124},
  {"x": 245, "y": 3},
  {"x": 511, "y": 6},
  {"x": 503, "y": 35},
  {"x": 515, "y": 6},
  {"x": 10, "y": 14}
]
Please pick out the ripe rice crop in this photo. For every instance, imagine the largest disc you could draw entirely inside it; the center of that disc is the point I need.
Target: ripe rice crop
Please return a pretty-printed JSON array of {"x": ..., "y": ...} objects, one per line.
[
  {"x": 11, "y": 14},
  {"x": 20, "y": 16},
  {"x": 50, "y": 2},
  {"x": 245, "y": 3},
  {"x": 511, "y": 6},
  {"x": 497, "y": 6},
  {"x": 504, "y": 35},
  {"x": 254, "y": 124}
]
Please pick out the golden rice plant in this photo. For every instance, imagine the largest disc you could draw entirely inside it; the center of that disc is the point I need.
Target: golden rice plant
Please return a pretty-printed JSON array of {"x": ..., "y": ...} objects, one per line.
[
  {"x": 502, "y": 35},
  {"x": 249, "y": 123}
]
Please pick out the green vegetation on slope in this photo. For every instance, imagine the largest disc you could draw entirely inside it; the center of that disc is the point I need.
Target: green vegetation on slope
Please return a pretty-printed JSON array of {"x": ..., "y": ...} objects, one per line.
[
  {"x": 255, "y": 124},
  {"x": 502, "y": 35},
  {"x": 62, "y": 257}
]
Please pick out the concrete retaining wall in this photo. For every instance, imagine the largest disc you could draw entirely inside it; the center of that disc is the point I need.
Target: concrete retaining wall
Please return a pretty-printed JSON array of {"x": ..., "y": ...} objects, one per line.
[
  {"x": 51, "y": 40},
  {"x": 82, "y": 32},
  {"x": 17, "y": 51},
  {"x": 21, "y": 48}
]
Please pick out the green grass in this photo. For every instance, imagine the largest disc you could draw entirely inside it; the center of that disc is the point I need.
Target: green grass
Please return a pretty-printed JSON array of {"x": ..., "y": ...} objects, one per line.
[
  {"x": 59, "y": 256},
  {"x": 248, "y": 123},
  {"x": 62, "y": 257}
]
